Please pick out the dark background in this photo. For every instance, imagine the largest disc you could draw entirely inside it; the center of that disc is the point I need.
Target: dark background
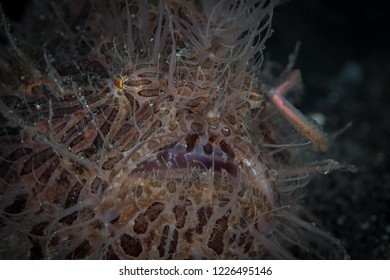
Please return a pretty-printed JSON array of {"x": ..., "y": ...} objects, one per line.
[{"x": 345, "y": 63}]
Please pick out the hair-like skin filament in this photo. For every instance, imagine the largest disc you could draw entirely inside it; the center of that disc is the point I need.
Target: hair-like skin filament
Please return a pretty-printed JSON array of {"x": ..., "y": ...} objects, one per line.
[
  {"x": 138, "y": 130},
  {"x": 304, "y": 125}
]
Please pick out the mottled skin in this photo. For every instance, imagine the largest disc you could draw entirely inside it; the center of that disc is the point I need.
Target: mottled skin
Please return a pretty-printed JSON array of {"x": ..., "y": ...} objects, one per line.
[{"x": 187, "y": 159}]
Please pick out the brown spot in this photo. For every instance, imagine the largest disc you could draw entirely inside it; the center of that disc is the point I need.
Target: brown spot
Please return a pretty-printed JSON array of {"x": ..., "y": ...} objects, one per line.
[
  {"x": 172, "y": 245},
  {"x": 188, "y": 235},
  {"x": 125, "y": 128},
  {"x": 136, "y": 156},
  {"x": 138, "y": 190},
  {"x": 203, "y": 215},
  {"x": 180, "y": 215},
  {"x": 226, "y": 131},
  {"x": 111, "y": 255},
  {"x": 171, "y": 186},
  {"x": 109, "y": 164},
  {"x": 151, "y": 130},
  {"x": 242, "y": 190},
  {"x": 144, "y": 115},
  {"x": 58, "y": 128},
  {"x": 18, "y": 206},
  {"x": 149, "y": 92},
  {"x": 63, "y": 180},
  {"x": 151, "y": 214},
  {"x": 183, "y": 127},
  {"x": 71, "y": 200},
  {"x": 81, "y": 252},
  {"x": 154, "y": 210},
  {"x": 98, "y": 185},
  {"x": 217, "y": 236},
  {"x": 191, "y": 141},
  {"x": 174, "y": 242},
  {"x": 194, "y": 102},
  {"x": 244, "y": 110},
  {"x": 36, "y": 252},
  {"x": 37, "y": 160},
  {"x": 208, "y": 149},
  {"x": 130, "y": 245},
  {"x": 127, "y": 214},
  {"x": 226, "y": 148},
  {"x": 133, "y": 139},
  {"x": 7, "y": 163},
  {"x": 248, "y": 244},
  {"x": 155, "y": 184},
  {"x": 223, "y": 201},
  {"x": 242, "y": 238},
  {"x": 153, "y": 145},
  {"x": 163, "y": 240},
  {"x": 39, "y": 229},
  {"x": 18, "y": 154},
  {"x": 73, "y": 195},
  {"x": 137, "y": 82},
  {"x": 197, "y": 127},
  {"x": 232, "y": 119},
  {"x": 232, "y": 238},
  {"x": 77, "y": 140},
  {"x": 45, "y": 177},
  {"x": 96, "y": 67}
]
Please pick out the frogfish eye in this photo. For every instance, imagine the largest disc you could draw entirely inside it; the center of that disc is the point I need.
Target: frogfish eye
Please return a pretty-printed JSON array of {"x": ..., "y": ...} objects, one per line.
[{"x": 118, "y": 81}]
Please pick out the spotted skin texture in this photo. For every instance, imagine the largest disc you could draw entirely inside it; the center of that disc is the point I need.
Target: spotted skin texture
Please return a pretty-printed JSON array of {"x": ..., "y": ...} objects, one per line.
[{"x": 136, "y": 130}]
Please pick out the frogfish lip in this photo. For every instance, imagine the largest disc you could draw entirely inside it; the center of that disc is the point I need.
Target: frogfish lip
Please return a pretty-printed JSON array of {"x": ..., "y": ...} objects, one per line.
[
  {"x": 243, "y": 167},
  {"x": 180, "y": 156}
]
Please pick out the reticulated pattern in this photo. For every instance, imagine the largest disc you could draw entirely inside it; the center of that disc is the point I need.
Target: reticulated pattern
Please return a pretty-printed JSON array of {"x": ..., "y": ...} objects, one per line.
[{"x": 182, "y": 161}]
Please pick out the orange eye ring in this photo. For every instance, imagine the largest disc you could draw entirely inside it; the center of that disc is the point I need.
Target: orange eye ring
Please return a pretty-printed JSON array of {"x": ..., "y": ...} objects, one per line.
[{"x": 118, "y": 81}]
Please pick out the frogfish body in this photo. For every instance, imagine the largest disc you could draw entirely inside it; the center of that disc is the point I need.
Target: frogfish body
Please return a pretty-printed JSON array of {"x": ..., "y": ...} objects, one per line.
[{"x": 142, "y": 130}]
